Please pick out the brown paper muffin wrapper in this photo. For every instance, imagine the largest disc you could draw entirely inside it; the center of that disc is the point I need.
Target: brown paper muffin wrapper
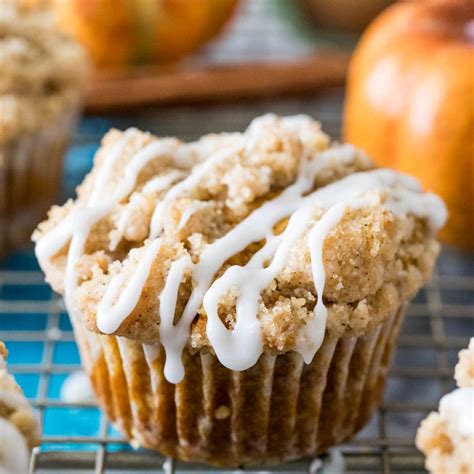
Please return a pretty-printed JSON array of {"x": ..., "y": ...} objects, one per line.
[
  {"x": 278, "y": 410},
  {"x": 30, "y": 178}
]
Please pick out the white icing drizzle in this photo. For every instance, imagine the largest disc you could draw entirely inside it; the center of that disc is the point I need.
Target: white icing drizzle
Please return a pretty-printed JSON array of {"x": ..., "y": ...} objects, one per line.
[
  {"x": 190, "y": 182},
  {"x": 256, "y": 226},
  {"x": 160, "y": 183},
  {"x": 99, "y": 205},
  {"x": 240, "y": 347},
  {"x": 458, "y": 408},
  {"x": 188, "y": 213},
  {"x": 155, "y": 185},
  {"x": 77, "y": 225},
  {"x": 252, "y": 278},
  {"x": 173, "y": 337},
  {"x": 121, "y": 298},
  {"x": 402, "y": 202},
  {"x": 314, "y": 330},
  {"x": 110, "y": 162},
  {"x": 14, "y": 452}
]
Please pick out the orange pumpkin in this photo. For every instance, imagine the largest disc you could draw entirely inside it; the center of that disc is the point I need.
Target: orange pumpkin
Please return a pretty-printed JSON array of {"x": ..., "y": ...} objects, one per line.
[
  {"x": 410, "y": 101},
  {"x": 119, "y": 32}
]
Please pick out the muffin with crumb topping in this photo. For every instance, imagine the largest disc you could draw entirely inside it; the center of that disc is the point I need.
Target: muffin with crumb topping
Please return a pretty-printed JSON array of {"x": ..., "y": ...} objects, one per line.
[
  {"x": 42, "y": 80},
  {"x": 446, "y": 437},
  {"x": 19, "y": 428},
  {"x": 237, "y": 299}
]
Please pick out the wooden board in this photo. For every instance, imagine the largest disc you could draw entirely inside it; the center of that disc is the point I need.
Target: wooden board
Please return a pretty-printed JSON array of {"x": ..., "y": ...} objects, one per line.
[{"x": 115, "y": 90}]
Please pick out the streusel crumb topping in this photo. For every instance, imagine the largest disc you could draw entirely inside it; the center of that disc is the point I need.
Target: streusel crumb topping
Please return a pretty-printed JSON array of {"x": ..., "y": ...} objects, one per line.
[{"x": 182, "y": 229}]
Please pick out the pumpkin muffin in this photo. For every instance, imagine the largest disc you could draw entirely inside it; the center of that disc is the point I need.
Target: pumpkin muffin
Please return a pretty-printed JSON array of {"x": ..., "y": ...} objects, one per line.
[
  {"x": 42, "y": 79},
  {"x": 446, "y": 437},
  {"x": 237, "y": 299},
  {"x": 19, "y": 428}
]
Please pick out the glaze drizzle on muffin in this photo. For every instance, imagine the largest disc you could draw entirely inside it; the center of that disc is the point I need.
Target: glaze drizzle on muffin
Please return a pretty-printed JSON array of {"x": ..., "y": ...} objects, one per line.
[{"x": 304, "y": 194}]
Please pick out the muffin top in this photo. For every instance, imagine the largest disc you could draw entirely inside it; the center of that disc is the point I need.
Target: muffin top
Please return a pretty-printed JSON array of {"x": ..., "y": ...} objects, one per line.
[
  {"x": 19, "y": 429},
  {"x": 42, "y": 71},
  {"x": 226, "y": 243}
]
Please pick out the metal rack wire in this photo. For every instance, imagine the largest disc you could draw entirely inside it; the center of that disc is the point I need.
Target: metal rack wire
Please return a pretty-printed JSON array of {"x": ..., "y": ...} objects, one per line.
[{"x": 78, "y": 438}]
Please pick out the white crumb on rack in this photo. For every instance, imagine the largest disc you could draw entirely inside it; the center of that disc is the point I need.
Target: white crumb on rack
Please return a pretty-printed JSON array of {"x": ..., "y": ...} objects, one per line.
[
  {"x": 76, "y": 388},
  {"x": 54, "y": 334},
  {"x": 334, "y": 463}
]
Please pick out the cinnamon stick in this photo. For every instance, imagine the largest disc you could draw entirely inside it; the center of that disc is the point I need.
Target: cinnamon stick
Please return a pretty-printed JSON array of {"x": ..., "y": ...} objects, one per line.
[{"x": 124, "y": 89}]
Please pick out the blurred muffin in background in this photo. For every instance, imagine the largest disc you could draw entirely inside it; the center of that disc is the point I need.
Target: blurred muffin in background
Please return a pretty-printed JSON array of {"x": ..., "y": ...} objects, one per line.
[{"x": 43, "y": 75}]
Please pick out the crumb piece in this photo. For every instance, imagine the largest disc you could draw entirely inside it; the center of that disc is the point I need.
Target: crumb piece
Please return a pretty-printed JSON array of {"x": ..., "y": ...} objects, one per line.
[
  {"x": 222, "y": 412},
  {"x": 464, "y": 371},
  {"x": 446, "y": 437},
  {"x": 20, "y": 414}
]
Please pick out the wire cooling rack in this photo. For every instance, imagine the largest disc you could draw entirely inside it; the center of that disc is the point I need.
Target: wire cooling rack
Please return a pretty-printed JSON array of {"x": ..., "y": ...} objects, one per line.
[{"x": 78, "y": 438}]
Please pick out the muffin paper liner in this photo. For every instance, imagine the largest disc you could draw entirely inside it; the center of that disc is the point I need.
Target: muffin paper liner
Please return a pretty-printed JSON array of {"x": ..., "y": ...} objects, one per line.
[
  {"x": 30, "y": 178},
  {"x": 278, "y": 410}
]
